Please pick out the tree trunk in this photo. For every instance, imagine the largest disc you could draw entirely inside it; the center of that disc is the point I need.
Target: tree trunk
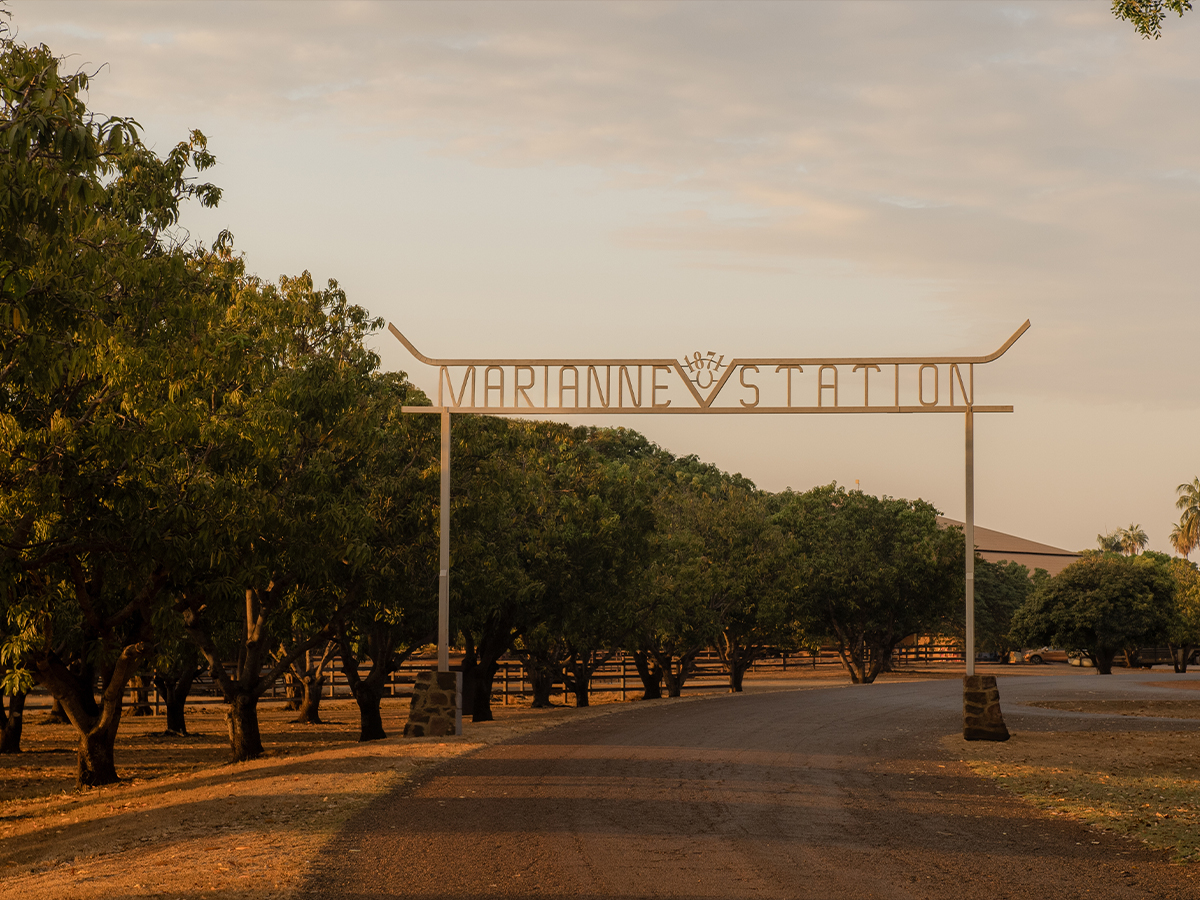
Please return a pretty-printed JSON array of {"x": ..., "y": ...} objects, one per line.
[
  {"x": 174, "y": 689},
  {"x": 381, "y": 640},
  {"x": 1131, "y": 658},
  {"x": 311, "y": 676},
  {"x": 880, "y": 656},
  {"x": 738, "y": 661},
  {"x": 97, "y": 733},
  {"x": 11, "y": 723},
  {"x": 1175, "y": 659},
  {"x": 57, "y": 715},
  {"x": 477, "y": 688},
  {"x": 292, "y": 690},
  {"x": 737, "y": 671},
  {"x": 542, "y": 660},
  {"x": 141, "y": 693},
  {"x": 737, "y": 658},
  {"x": 244, "y": 737},
  {"x": 676, "y": 672},
  {"x": 177, "y": 715},
  {"x": 1103, "y": 659},
  {"x": 541, "y": 685},
  {"x": 581, "y": 683},
  {"x": 853, "y": 663},
  {"x": 651, "y": 674},
  {"x": 310, "y": 705},
  {"x": 96, "y": 765},
  {"x": 479, "y": 668},
  {"x": 370, "y": 720},
  {"x": 470, "y": 675},
  {"x": 1180, "y": 654},
  {"x": 248, "y": 681},
  {"x": 582, "y": 666},
  {"x": 83, "y": 678}
]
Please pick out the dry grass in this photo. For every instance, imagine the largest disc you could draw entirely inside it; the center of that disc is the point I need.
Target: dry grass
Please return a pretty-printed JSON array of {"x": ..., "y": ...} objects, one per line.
[
  {"x": 1167, "y": 709},
  {"x": 186, "y": 823},
  {"x": 1144, "y": 784}
]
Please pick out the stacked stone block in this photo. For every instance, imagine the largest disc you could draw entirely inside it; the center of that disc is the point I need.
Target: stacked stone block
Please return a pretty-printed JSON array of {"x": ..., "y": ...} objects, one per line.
[
  {"x": 982, "y": 719},
  {"x": 436, "y": 709}
]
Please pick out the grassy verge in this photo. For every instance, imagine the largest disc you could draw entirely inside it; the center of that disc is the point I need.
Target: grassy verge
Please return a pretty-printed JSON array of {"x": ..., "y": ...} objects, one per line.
[{"x": 1146, "y": 785}]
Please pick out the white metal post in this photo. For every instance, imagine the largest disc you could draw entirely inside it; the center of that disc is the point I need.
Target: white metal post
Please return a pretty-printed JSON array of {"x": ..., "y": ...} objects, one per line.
[
  {"x": 444, "y": 553},
  {"x": 969, "y": 535}
]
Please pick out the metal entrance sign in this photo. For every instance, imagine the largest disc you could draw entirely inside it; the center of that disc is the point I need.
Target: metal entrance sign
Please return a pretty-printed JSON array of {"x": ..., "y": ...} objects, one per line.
[
  {"x": 705, "y": 383},
  {"x": 708, "y": 383}
]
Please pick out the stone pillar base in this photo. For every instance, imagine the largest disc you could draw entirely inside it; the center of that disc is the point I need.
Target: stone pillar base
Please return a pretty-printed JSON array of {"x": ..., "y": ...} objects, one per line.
[
  {"x": 982, "y": 719},
  {"x": 436, "y": 709}
]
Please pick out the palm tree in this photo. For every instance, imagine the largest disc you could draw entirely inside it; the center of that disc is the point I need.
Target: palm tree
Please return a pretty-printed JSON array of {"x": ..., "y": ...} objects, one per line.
[
  {"x": 1189, "y": 502},
  {"x": 1109, "y": 543},
  {"x": 1133, "y": 539},
  {"x": 1181, "y": 542}
]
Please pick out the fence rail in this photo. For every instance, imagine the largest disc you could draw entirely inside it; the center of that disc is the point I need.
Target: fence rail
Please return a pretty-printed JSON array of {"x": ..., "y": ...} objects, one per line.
[{"x": 618, "y": 675}]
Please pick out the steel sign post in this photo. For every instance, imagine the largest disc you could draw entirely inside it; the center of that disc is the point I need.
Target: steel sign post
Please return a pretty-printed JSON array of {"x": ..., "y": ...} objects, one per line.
[
  {"x": 969, "y": 536},
  {"x": 444, "y": 550},
  {"x": 692, "y": 386}
]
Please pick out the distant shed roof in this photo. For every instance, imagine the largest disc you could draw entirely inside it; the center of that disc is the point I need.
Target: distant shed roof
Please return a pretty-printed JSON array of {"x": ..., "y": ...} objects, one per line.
[{"x": 996, "y": 546}]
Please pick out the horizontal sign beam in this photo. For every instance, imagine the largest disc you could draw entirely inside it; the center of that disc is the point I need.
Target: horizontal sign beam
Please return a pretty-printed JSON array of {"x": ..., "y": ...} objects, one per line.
[
  {"x": 711, "y": 410},
  {"x": 816, "y": 385}
]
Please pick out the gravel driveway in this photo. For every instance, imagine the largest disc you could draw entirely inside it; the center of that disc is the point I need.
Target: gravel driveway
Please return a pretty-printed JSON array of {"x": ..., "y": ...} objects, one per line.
[{"x": 837, "y": 792}]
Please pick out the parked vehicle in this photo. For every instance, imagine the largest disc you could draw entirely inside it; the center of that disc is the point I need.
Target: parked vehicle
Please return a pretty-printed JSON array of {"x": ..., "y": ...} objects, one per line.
[
  {"x": 1149, "y": 657},
  {"x": 1045, "y": 655}
]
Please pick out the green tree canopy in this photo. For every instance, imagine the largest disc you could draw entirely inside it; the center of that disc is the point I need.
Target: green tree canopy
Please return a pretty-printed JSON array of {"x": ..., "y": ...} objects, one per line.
[
  {"x": 872, "y": 570},
  {"x": 1184, "y": 633},
  {"x": 1103, "y": 604},
  {"x": 1147, "y": 15},
  {"x": 1187, "y": 535},
  {"x": 100, "y": 311},
  {"x": 1133, "y": 539},
  {"x": 697, "y": 584},
  {"x": 1001, "y": 588}
]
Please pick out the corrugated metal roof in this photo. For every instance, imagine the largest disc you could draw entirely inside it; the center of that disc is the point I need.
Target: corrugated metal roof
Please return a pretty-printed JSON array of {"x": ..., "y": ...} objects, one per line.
[{"x": 996, "y": 546}]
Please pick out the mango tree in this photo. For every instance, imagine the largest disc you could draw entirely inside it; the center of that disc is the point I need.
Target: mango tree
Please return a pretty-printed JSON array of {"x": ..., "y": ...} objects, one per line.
[
  {"x": 100, "y": 308},
  {"x": 287, "y": 463},
  {"x": 679, "y": 611},
  {"x": 1102, "y": 604},
  {"x": 397, "y": 614},
  {"x": 1184, "y": 633},
  {"x": 871, "y": 571},
  {"x": 594, "y": 554},
  {"x": 1000, "y": 590}
]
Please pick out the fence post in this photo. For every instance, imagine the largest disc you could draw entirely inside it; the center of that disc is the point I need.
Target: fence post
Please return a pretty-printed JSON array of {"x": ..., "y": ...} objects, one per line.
[{"x": 506, "y": 684}]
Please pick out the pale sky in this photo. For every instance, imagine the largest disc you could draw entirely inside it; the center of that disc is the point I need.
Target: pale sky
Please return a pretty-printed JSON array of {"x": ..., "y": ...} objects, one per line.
[{"x": 803, "y": 179}]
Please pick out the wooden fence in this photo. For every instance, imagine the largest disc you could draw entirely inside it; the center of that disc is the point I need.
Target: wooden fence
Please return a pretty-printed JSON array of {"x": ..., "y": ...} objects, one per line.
[{"x": 617, "y": 676}]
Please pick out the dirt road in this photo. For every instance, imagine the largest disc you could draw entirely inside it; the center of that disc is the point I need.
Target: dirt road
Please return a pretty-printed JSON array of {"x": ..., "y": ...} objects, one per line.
[{"x": 842, "y": 792}]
